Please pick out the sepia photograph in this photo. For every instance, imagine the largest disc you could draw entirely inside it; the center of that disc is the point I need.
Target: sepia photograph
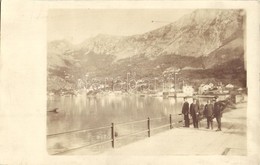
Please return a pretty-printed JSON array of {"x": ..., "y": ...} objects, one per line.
[{"x": 146, "y": 82}]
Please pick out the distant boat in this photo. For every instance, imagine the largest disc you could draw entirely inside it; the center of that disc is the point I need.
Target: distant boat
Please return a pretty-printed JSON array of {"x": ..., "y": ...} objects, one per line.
[{"x": 55, "y": 110}]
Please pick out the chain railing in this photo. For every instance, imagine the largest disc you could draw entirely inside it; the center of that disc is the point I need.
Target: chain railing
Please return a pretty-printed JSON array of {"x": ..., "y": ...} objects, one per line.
[{"x": 112, "y": 127}]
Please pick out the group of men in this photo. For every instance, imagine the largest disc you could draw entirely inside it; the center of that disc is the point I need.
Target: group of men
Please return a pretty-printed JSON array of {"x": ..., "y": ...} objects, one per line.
[{"x": 213, "y": 109}]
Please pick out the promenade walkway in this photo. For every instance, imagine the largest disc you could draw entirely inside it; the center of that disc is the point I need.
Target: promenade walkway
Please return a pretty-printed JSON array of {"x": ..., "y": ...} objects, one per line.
[{"x": 189, "y": 141}]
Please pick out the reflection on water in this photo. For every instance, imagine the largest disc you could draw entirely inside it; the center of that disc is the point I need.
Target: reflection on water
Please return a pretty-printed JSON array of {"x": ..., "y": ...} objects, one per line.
[{"x": 81, "y": 112}]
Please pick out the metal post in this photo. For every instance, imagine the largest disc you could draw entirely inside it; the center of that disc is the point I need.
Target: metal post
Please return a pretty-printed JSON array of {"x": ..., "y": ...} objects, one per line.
[
  {"x": 170, "y": 121},
  {"x": 113, "y": 135},
  {"x": 175, "y": 82},
  {"x": 149, "y": 127}
]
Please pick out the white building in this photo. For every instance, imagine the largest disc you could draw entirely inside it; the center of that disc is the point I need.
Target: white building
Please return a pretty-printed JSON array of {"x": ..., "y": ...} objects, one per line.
[
  {"x": 211, "y": 85},
  {"x": 188, "y": 90},
  {"x": 205, "y": 87},
  {"x": 229, "y": 86}
]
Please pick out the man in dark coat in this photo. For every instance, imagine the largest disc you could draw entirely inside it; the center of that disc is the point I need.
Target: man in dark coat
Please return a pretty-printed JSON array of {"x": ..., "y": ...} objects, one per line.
[
  {"x": 217, "y": 110},
  {"x": 185, "y": 112},
  {"x": 194, "y": 112},
  {"x": 208, "y": 113}
]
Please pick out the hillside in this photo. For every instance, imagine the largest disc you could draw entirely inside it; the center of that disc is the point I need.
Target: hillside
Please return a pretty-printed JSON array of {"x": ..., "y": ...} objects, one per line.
[
  {"x": 204, "y": 40},
  {"x": 201, "y": 32}
]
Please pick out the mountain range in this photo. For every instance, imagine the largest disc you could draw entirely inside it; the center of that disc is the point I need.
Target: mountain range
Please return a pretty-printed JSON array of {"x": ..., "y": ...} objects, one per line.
[{"x": 204, "y": 42}]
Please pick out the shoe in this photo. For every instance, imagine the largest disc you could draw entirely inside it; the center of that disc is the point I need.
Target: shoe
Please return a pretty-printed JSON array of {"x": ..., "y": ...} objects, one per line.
[
  {"x": 218, "y": 130},
  {"x": 207, "y": 127}
]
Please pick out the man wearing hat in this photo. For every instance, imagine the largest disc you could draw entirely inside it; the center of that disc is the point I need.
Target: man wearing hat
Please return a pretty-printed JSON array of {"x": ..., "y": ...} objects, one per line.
[
  {"x": 217, "y": 110},
  {"x": 208, "y": 112},
  {"x": 194, "y": 112},
  {"x": 185, "y": 112}
]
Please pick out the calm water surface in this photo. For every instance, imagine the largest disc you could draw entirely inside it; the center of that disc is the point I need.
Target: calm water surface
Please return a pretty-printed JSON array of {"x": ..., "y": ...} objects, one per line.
[{"x": 82, "y": 112}]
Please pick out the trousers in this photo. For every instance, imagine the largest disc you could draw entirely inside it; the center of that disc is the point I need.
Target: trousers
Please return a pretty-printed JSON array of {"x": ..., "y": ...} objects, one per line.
[
  {"x": 218, "y": 118},
  {"x": 187, "y": 120},
  {"x": 195, "y": 122},
  {"x": 209, "y": 122}
]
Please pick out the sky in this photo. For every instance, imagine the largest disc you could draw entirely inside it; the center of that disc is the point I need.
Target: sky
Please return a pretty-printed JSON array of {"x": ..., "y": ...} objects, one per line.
[{"x": 76, "y": 25}]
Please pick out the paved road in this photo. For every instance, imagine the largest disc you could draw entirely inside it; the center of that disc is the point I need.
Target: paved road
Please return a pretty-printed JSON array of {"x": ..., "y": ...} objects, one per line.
[{"x": 189, "y": 141}]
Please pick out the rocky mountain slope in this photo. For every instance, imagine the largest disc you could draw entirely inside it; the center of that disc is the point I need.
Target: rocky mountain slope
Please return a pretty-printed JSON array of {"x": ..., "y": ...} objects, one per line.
[
  {"x": 204, "y": 39},
  {"x": 196, "y": 34}
]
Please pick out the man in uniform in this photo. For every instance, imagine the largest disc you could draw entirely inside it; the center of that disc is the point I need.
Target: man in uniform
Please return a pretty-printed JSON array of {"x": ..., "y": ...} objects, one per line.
[
  {"x": 194, "y": 112},
  {"x": 217, "y": 110},
  {"x": 185, "y": 112},
  {"x": 208, "y": 113}
]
